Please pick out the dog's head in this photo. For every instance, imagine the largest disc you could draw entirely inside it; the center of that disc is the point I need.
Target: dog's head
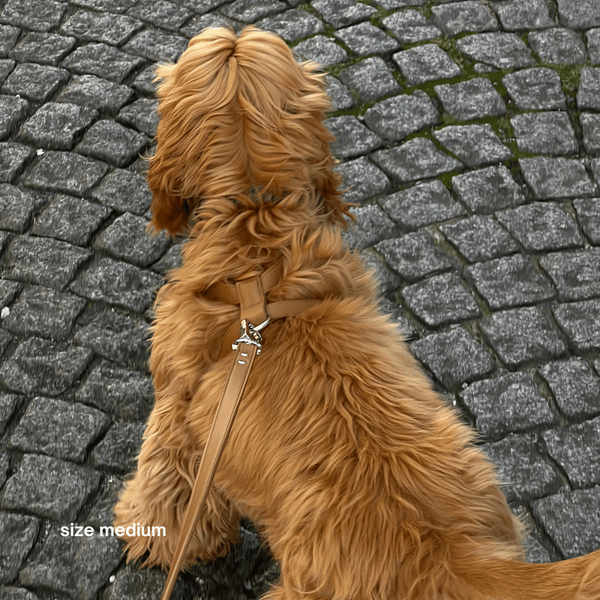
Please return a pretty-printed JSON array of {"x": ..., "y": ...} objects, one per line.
[{"x": 242, "y": 120}]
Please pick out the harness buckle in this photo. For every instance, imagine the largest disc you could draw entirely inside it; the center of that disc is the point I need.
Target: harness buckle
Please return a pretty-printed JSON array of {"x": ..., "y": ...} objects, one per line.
[{"x": 249, "y": 334}]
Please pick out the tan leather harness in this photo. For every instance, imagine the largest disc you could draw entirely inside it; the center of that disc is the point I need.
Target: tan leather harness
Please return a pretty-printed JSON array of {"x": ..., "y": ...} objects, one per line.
[{"x": 250, "y": 293}]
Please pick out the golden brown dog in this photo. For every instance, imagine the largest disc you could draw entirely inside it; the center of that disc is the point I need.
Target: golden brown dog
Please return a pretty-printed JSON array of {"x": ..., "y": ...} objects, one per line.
[{"x": 362, "y": 480}]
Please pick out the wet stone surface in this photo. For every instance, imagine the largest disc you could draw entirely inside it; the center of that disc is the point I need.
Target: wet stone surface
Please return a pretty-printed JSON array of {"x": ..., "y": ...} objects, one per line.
[{"x": 468, "y": 134}]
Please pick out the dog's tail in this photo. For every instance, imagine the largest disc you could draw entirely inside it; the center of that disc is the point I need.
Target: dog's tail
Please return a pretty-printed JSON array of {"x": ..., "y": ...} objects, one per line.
[{"x": 574, "y": 579}]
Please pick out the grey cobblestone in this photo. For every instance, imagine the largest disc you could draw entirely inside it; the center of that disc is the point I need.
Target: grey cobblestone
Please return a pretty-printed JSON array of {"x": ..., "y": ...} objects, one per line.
[
  {"x": 521, "y": 16},
  {"x": 49, "y": 487},
  {"x": 341, "y": 98},
  {"x": 248, "y": 11},
  {"x": 94, "y": 92},
  {"x": 61, "y": 429},
  {"x": 526, "y": 474},
  {"x": 16, "y": 208},
  {"x": 588, "y": 215},
  {"x": 536, "y": 89},
  {"x": 500, "y": 50},
  {"x": 461, "y": 17},
  {"x": 8, "y": 405},
  {"x": 422, "y": 205},
  {"x": 372, "y": 226},
  {"x": 12, "y": 110},
  {"x": 119, "y": 448},
  {"x": 13, "y": 158},
  {"x": 35, "y": 82},
  {"x": 593, "y": 45},
  {"x": 38, "y": 15},
  {"x": 580, "y": 321},
  {"x": 454, "y": 357},
  {"x": 575, "y": 387},
  {"x": 509, "y": 403},
  {"x": 111, "y": 6},
  {"x": 410, "y": 26},
  {"x": 363, "y": 178},
  {"x": 142, "y": 115},
  {"x": 364, "y": 39},
  {"x": 589, "y": 89},
  {"x": 42, "y": 48},
  {"x": 8, "y": 38},
  {"x": 545, "y": 133},
  {"x": 479, "y": 238},
  {"x": 125, "y": 191},
  {"x": 558, "y": 45},
  {"x": 590, "y": 124},
  {"x": 322, "y": 50},
  {"x": 541, "y": 226},
  {"x": 574, "y": 274},
  {"x": 352, "y": 137},
  {"x": 471, "y": 99},
  {"x": 579, "y": 14},
  {"x": 17, "y": 536},
  {"x": 160, "y": 13},
  {"x": 341, "y": 13},
  {"x": 579, "y": 535},
  {"x": 89, "y": 26},
  {"x": 426, "y": 63},
  {"x": 522, "y": 336},
  {"x": 399, "y": 116},
  {"x": 370, "y": 78},
  {"x": 509, "y": 281}
]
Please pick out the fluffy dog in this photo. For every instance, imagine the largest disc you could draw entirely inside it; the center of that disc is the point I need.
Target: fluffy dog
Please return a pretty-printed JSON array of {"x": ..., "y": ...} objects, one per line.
[{"x": 361, "y": 479}]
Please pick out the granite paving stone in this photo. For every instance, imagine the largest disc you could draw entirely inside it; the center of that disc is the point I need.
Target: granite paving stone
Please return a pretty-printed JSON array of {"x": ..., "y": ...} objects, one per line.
[
  {"x": 595, "y": 168},
  {"x": 42, "y": 48},
  {"x": 119, "y": 448},
  {"x": 577, "y": 450},
  {"x": 12, "y": 110},
  {"x": 522, "y": 336},
  {"x": 112, "y": 143},
  {"x": 363, "y": 179},
  {"x": 498, "y": 49},
  {"x": 124, "y": 191},
  {"x": 488, "y": 190},
  {"x": 386, "y": 279},
  {"x": 248, "y": 11},
  {"x": 545, "y": 133},
  {"x": 49, "y": 487},
  {"x": 590, "y": 124},
  {"x": 541, "y": 226},
  {"x": 574, "y": 386},
  {"x": 461, "y": 17},
  {"x": 525, "y": 473},
  {"x": 372, "y": 225},
  {"x": 70, "y": 219},
  {"x": 411, "y": 34},
  {"x": 103, "y": 61},
  {"x": 413, "y": 256},
  {"x": 593, "y": 45},
  {"x": 97, "y": 93},
  {"x": 479, "y": 238},
  {"x": 556, "y": 178},
  {"x": 6, "y": 67},
  {"x": 171, "y": 260},
  {"x": 588, "y": 216},
  {"x": 558, "y": 45},
  {"x": 580, "y": 321},
  {"x": 8, "y": 292},
  {"x": 65, "y": 430},
  {"x": 422, "y": 204},
  {"x": 44, "y": 261},
  {"x": 454, "y": 357},
  {"x": 399, "y": 116},
  {"x": 588, "y": 92},
  {"x": 44, "y": 367},
  {"x": 577, "y": 534},
  {"x": 16, "y": 208},
  {"x": 341, "y": 98},
  {"x": 4, "y": 467},
  {"x": 576, "y": 275},
  {"x": 89, "y": 26},
  {"x": 35, "y": 82},
  {"x": 414, "y": 160},
  {"x": 110, "y": 6},
  {"x": 441, "y": 299},
  {"x": 13, "y": 158},
  {"x": 101, "y": 514},
  {"x": 127, "y": 239},
  {"x": 370, "y": 78},
  {"x": 160, "y": 13},
  {"x": 341, "y": 13},
  {"x": 117, "y": 283},
  {"x": 56, "y": 126},
  {"x": 579, "y": 14},
  {"x": 426, "y": 63},
  {"x": 472, "y": 99},
  {"x": 66, "y": 172},
  {"x": 44, "y": 312},
  {"x": 144, "y": 82},
  {"x": 38, "y": 15},
  {"x": 141, "y": 114},
  {"x": 474, "y": 145},
  {"x": 508, "y": 403},
  {"x": 212, "y": 19},
  {"x": 93, "y": 558},
  {"x": 516, "y": 15},
  {"x": 535, "y": 89},
  {"x": 17, "y": 536},
  {"x": 364, "y": 39},
  {"x": 509, "y": 281},
  {"x": 8, "y": 405},
  {"x": 8, "y": 38},
  {"x": 322, "y": 50},
  {"x": 352, "y": 137},
  {"x": 14, "y": 593},
  {"x": 127, "y": 395}
]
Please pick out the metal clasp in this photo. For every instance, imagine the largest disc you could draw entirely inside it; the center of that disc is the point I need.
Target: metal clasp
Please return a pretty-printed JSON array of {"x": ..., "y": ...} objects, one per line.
[{"x": 249, "y": 334}]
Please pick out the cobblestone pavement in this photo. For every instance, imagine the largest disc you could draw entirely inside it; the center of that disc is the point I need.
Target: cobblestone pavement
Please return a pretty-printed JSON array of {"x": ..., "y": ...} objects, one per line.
[{"x": 470, "y": 134}]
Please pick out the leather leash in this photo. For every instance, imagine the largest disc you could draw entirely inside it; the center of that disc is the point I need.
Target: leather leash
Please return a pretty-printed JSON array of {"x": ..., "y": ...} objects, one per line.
[{"x": 250, "y": 294}]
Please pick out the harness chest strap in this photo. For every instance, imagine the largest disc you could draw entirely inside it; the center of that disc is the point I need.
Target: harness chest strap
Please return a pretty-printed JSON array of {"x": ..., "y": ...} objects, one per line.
[{"x": 253, "y": 309}]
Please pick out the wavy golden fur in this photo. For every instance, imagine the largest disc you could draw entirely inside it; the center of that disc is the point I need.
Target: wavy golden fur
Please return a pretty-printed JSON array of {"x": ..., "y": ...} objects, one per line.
[{"x": 364, "y": 483}]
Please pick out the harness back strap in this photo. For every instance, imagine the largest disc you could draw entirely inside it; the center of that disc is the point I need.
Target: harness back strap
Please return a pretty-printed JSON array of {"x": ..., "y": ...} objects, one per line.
[{"x": 250, "y": 294}]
